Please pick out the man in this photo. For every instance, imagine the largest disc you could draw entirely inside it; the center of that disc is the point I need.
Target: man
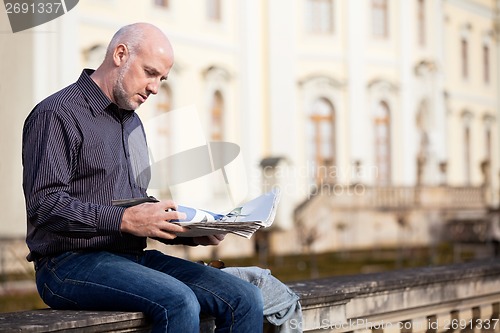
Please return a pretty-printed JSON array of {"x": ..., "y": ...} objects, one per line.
[{"x": 81, "y": 150}]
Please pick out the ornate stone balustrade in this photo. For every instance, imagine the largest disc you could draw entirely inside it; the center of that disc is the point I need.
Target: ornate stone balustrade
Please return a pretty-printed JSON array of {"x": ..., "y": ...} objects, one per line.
[
  {"x": 430, "y": 197},
  {"x": 462, "y": 297}
]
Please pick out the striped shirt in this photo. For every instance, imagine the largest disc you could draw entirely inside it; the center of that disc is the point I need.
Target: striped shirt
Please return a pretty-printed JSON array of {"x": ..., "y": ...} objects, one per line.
[{"x": 80, "y": 152}]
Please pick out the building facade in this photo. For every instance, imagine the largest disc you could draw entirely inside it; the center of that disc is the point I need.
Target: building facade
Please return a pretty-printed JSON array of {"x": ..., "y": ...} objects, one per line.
[{"x": 359, "y": 110}]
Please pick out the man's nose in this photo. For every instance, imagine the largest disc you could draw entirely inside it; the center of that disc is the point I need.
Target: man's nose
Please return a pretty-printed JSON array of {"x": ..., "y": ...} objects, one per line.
[{"x": 153, "y": 87}]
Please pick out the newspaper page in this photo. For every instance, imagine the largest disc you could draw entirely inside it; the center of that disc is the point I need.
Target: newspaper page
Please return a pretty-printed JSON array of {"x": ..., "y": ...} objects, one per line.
[{"x": 243, "y": 220}]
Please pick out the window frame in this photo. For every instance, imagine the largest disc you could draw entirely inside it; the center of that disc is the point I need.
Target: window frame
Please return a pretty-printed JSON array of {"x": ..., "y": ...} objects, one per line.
[
  {"x": 325, "y": 9},
  {"x": 380, "y": 19},
  {"x": 383, "y": 142}
]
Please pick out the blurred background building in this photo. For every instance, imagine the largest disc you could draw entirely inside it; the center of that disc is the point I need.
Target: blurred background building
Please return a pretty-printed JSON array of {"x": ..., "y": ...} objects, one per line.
[{"x": 378, "y": 119}]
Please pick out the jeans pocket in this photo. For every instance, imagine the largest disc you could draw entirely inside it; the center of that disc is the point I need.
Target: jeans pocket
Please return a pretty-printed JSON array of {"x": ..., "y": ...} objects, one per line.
[
  {"x": 56, "y": 301},
  {"x": 65, "y": 264},
  {"x": 56, "y": 261}
]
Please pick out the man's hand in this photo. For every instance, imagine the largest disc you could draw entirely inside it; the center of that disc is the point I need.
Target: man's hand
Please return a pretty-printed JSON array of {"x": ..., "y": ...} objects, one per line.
[
  {"x": 151, "y": 220},
  {"x": 209, "y": 240}
]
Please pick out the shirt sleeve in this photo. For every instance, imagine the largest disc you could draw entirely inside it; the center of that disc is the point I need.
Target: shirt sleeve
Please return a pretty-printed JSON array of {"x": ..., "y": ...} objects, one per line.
[
  {"x": 189, "y": 241},
  {"x": 50, "y": 147}
]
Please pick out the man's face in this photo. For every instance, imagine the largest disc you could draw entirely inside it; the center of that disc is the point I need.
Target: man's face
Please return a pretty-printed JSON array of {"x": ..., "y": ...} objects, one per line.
[{"x": 141, "y": 75}]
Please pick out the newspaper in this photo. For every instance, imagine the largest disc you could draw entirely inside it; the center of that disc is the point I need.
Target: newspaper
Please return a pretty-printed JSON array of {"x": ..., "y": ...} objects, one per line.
[{"x": 243, "y": 220}]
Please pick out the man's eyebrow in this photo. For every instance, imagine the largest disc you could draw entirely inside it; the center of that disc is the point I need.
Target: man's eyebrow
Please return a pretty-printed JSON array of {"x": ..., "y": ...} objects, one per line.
[{"x": 155, "y": 72}]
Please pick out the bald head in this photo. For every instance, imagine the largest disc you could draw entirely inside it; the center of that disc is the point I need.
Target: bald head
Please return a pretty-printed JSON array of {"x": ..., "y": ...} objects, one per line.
[
  {"x": 136, "y": 36},
  {"x": 138, "y": 58}
]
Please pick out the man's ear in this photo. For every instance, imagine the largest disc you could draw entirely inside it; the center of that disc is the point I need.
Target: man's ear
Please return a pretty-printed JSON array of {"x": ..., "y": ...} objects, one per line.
[{"x": 120, "y": 55}]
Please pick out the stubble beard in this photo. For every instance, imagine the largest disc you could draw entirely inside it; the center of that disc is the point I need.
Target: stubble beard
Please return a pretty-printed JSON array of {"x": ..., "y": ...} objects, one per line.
[{"x": 119, "y": 93}]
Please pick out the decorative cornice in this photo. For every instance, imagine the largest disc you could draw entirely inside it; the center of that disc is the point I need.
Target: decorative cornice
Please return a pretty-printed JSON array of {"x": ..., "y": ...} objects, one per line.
[{"x": 321, "y": 79}]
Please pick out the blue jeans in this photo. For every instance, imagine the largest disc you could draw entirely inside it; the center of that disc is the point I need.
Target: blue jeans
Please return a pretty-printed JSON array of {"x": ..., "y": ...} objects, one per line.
[{"x": 170, "y": 291}]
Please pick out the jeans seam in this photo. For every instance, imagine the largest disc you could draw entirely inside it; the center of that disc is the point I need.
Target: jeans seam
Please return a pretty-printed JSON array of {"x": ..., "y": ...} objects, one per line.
[
  {"x": 219, "y": 297},
  {"x": 211, "y": 292},
  {"x": 78, "y": 282},
  {"x": 53, "y": 294}
]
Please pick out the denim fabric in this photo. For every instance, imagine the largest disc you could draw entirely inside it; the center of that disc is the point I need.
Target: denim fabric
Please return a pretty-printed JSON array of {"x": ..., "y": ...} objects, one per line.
[
  {"x": 281, "y": 305},
  {"x": 169, "y": 290}
]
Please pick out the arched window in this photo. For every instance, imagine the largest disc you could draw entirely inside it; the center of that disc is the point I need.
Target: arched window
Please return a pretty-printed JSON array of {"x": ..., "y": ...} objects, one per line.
[
  {"x": 380, "y": 19},
  {"x": 217, "y": 117},
  {"x": 319, "y": 16},
  {"x": 164, "y": 99},
  {"x": 94, "y": 55},
  {"x": 163, "y": 137},
  {"x": 217, "y": 83},
  {"x": 214, "y": 10},
  {"x": 217, "y": 134},
  {"x": 488, "y": 137},
  {"x": 382, "y": 131},
  {"x": 422, "y": 122},
  {"x": 321, "y": 140},
  {"x": 486, "y": 63},
  {"x": 161, "y": 3},
  {"x": 465, "y": 58},
  {"x": 421, "y": 17},
  {"x": 466, "y": 129}
]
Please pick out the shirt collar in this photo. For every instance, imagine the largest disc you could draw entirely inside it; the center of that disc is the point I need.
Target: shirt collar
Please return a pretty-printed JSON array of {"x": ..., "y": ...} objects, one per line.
[
  {"x": 96, "y": 98},
  {"x": 92, "y": 93}
]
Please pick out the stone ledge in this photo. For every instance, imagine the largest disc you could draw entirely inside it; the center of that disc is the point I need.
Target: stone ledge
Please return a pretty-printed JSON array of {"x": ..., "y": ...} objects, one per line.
[
  {"x": 48, "y": 320},
  {"x": 396, "y": 294},
  {"x": 343, "y": 288}
]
